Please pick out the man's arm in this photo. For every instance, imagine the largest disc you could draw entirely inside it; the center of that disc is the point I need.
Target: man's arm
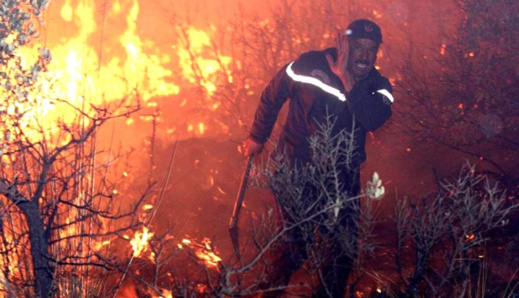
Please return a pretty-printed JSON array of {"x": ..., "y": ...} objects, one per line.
[
  {"x": 272, "y": 99},
  {"x": 370, "y": 101}
]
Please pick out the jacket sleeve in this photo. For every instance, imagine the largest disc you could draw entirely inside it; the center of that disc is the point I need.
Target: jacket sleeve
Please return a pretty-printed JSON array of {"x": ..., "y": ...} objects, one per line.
[
  {"x": 370, "y": 101},
  {"x": 272, "y": 99}
]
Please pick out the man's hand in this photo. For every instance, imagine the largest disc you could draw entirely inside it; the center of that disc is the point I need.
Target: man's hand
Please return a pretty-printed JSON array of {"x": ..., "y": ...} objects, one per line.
[
  {"x": 340, "y": 67},
  {"x": 251, "y": 148}
]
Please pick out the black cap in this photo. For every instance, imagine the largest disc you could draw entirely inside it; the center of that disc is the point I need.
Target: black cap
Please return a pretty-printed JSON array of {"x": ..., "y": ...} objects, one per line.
[{"x": 364, "y": 29}]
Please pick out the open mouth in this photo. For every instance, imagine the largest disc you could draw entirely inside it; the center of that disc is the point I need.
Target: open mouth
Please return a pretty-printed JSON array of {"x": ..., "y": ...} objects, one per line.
[{"x": 361, "y": 66}]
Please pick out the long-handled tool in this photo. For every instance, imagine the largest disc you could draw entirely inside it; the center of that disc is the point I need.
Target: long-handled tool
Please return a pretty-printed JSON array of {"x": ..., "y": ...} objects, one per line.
[{"x": 233, "y": 224}]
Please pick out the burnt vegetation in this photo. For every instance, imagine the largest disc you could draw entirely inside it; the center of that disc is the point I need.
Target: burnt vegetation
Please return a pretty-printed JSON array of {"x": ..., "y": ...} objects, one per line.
[{"x": 79, "y": 218}]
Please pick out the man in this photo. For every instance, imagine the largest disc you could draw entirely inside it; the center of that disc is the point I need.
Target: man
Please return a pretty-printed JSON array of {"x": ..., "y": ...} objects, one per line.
[{"x": 340, "y": 84}]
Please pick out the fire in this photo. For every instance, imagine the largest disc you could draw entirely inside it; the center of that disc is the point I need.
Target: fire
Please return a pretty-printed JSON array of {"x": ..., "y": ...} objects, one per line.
[
  {"x": 442, "y": 49},
  {"x": 140, "y": 241},
  {"x": 198, "y": 129},
  {"x": 377, "y": 14},
  {"x": 203, "y": 251},
  {"x": 126, "y": 67},
  {"x": 197, "y": 41},
  {"x": 165, "y": 294},
  {"x": 80, "y": 75}
]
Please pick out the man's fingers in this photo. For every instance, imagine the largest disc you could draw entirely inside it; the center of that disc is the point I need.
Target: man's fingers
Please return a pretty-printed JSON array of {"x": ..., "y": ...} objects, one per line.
[
  {"x": 343, "y": 44},
  {"x": 250, "y": 147}
]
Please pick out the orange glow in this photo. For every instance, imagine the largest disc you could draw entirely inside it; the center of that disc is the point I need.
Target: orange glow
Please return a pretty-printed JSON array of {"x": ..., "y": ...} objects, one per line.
[
  {"x": 377, "y": 14},
  {"x": 201, "y": 128},
  {"x": 198, "y": 129},
  {"x": 201, "y": 288},
  {"x": 100, "y": 245}
]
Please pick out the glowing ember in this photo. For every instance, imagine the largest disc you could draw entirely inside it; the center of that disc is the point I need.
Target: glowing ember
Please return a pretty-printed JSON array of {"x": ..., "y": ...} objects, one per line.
[{"x": 201, "y": 288}]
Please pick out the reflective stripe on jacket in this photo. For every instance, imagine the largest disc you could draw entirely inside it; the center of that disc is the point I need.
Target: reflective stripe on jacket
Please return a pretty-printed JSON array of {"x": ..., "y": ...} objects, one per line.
[{"x": 315, "y": 92}]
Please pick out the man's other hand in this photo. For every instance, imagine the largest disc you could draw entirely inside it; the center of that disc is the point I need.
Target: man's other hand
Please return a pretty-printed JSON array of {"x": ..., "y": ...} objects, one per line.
[
  {"x": 251, "y": 148},
  {"x": 340, "y": 66}
]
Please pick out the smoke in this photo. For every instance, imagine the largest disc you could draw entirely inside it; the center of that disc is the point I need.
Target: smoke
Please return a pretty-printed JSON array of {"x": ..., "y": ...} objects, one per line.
[{"x": 187, "y": 81}]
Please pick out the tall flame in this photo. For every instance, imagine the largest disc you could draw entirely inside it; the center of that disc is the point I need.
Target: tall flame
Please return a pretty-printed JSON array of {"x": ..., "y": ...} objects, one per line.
[
  {"x": 129, "y": 67},
  {"x": 78, "y": 75},
  {"x": 122, "y": 66}
]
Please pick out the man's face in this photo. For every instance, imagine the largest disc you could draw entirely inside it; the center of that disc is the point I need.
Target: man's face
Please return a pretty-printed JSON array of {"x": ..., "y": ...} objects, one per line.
[{"x": 361, "y": 57}]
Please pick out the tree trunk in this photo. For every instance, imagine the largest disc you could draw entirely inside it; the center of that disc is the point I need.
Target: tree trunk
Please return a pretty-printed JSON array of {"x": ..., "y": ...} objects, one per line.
[{"x": 41, "y": 262}]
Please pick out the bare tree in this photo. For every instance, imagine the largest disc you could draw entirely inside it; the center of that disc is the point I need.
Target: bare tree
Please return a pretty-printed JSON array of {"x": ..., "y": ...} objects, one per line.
[{"x": 460, "y": 92}]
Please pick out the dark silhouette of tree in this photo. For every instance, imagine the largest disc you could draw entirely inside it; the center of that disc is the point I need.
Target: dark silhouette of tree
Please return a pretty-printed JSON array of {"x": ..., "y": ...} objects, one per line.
[{"x": 461, "y": 92}]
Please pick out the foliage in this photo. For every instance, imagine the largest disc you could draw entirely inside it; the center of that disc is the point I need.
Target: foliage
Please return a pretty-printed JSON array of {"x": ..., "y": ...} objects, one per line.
[
  {"x": 332, "y": 204},
  {"x": 445, "y": 233}
]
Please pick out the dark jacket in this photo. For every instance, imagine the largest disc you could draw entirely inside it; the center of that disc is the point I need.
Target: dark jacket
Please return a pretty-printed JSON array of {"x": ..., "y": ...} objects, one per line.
[{"x": 315, "y": 92}]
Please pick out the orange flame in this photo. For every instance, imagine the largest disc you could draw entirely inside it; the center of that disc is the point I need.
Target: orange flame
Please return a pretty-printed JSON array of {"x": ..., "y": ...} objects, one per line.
[
  {"x": 78, "y": 76},
  {"x": 199, "y": 40},
  {"x": 81, "y": 75},
  {"x": 442, "y": 49},
  {"x": 204, "y": 251},
  {"x": 140, "y": 242}
]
